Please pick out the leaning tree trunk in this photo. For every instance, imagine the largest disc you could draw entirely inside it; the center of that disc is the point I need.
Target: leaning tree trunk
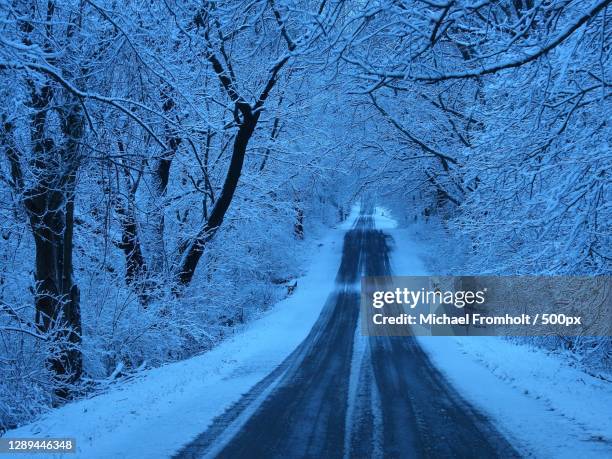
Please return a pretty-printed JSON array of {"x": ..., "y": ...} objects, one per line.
[
  {"x": 192, "y": 255},
  {"x": 190, "y": 258}
]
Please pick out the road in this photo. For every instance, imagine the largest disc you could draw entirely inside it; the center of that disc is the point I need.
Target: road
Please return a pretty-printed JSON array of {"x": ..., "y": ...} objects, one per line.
[{"x": 340, "y": 394}]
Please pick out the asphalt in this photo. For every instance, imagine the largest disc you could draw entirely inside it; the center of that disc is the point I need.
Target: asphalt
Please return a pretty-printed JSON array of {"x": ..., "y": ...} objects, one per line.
[{"x": 341, "y": 395}]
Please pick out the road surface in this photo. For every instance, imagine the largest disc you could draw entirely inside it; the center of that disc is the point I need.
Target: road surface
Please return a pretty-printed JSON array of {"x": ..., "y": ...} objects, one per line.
[{"x": 340, "y": 394}]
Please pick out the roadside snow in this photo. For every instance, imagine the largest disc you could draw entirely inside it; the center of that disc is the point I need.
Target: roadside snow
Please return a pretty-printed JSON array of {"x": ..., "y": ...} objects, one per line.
[
  {"x": 163, "y": 409},
  {"x": 351, "y": 219},
  {"x": 383, "y": 220},
  {"x": 546, "y": 407}
]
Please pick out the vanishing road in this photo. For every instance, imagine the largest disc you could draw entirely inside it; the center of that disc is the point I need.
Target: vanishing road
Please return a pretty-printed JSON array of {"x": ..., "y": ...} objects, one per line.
[{"x": 341, "y": 394}]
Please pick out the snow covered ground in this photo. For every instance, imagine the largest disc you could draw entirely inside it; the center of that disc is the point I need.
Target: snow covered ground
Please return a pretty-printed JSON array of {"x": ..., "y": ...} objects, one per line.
[
  {"x": 546, "y": 407},
  {"x": 538, "y": 400},
  {"x": 164, "y": 408}
]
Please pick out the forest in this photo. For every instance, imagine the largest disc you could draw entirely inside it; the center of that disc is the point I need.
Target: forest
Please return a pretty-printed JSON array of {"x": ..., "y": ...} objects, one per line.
[{"x": 165, "y": 167}]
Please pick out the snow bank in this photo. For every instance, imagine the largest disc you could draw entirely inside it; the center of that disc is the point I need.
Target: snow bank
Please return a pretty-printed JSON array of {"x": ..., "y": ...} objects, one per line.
[
  {"x": 164, "y": 408},
  {"x": 352, "y": 218},
  {"x": 383, "y": 220},
  {"x": 546, "y": 407}
]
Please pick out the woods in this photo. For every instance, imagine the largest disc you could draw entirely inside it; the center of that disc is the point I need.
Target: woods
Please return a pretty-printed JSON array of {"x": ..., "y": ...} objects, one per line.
[{"x": 163, "y": 162}]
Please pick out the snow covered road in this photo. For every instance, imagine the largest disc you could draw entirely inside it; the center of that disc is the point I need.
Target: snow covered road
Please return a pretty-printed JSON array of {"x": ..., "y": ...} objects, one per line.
[
  {"x": 342, "y": 395},
  {"x": 302, "y": 381}
]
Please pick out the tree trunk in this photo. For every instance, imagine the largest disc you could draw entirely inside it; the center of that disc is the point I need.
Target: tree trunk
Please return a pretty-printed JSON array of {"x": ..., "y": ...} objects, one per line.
[
  {"x": 135, "y": 266},
  {"x": 50, "y": 207},
  {"x": 57, "y": 296},
  {"x": 194, "y": 252},
  {"x": 160, "y": 177},
  {"x": 298, "y": 227}
]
